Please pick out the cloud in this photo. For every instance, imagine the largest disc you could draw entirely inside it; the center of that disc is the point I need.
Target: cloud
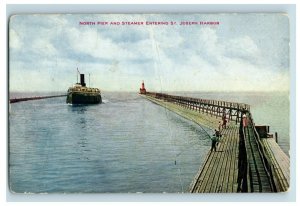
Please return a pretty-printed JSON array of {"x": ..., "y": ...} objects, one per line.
[
  {"x": 43, "y": 46},
  {"x": 242, "y": 47},
  {"x": 168, "y": 58},
  {"x": 94, "y": 44},
  {"x": 14, "y": 40}
]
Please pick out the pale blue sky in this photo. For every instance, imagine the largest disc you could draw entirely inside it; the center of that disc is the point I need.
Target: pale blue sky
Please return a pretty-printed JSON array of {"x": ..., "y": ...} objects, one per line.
[{"x": 246, "y": 52}]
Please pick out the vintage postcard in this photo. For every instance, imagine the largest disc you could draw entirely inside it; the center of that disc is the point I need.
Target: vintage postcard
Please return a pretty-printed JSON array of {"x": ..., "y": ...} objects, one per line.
[{"x": 149, "y": 103}]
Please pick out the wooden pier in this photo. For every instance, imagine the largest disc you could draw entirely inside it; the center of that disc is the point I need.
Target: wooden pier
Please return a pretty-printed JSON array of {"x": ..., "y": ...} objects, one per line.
[{"x": 244, "y": 161}]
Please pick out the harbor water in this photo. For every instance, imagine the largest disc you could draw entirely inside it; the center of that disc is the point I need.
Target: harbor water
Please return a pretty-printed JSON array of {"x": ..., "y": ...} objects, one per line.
[{"x": 125, "y": 145}]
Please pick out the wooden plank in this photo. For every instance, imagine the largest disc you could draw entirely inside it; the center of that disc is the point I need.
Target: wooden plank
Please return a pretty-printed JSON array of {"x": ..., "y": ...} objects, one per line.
[
  {"x": 280, "y": 162},
  {"x": 228, "y": 134},
  {"x": 282, "y": 159},
  {"x": 197, "y": 181},
  {"x": 232, "y": 179},
  {"x": 204, "y": 179},
  {"x": 214, "y": 175},
  {"x": 207, "y": 182},
  {"x": 201, "y": 183},
  {"x": 254, "y": 178},
  {"x": 223, "y": 181},
  {"x": 218, "y": 170},
  {"x": 236, "y": 163}
]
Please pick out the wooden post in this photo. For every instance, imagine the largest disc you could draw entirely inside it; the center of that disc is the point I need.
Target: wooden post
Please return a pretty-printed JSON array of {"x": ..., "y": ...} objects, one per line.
[{"x": 276, "y": 137}]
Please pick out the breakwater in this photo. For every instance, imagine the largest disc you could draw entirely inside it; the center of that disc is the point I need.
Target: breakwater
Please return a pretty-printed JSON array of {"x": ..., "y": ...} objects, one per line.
[{"x": 15, "y": 100}]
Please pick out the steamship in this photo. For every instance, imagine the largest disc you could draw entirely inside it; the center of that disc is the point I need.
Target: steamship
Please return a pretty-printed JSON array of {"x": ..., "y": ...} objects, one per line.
[{"x": 79, "y": 93}]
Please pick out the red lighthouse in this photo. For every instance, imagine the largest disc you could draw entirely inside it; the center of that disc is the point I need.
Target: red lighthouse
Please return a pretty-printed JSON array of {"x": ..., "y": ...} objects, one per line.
[{"x": 143, "y": 90}]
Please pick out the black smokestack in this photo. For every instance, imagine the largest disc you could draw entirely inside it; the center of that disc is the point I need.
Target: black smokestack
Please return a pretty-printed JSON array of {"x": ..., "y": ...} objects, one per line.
[{"x": 82, "y": 80}]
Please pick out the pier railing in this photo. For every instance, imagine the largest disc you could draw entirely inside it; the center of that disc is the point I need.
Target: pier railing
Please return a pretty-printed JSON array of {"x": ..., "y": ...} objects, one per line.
[{"x": 230, "y": 110}]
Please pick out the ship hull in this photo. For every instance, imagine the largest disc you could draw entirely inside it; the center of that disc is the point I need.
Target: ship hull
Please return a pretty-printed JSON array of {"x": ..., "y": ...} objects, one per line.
[{"x": 83, "y": 98}]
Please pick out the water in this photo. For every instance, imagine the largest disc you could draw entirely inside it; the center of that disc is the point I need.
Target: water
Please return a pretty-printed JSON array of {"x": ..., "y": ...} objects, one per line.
[{"x": 127, "y": 144}]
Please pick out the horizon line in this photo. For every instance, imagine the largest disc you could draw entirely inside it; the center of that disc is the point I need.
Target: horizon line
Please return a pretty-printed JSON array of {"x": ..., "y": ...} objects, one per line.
[{"x": 219, "y": 91}]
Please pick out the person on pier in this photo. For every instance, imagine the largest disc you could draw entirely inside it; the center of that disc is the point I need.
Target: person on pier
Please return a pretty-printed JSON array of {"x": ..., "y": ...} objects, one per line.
[
  {"x": 224, "y": 122},
  {"x": 220, "y": 126},
  {"x": 215, "y": 140},
  {"x": 245, "y": 121},
  {"x": 217, "y": 133}
]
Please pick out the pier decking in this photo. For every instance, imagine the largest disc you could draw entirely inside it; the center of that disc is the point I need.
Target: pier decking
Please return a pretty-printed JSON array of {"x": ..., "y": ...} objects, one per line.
[
  {"x": 243, "y": 162},
  {"x": 220, "y": 170}
]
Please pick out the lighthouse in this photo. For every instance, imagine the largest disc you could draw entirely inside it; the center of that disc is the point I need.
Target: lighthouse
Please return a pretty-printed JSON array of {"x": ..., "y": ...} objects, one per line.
[{"x": 143, "y": 90}]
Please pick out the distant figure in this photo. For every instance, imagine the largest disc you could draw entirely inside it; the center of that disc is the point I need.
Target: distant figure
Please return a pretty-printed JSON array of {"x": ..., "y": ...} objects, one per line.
[
  {"x": 224, "y": 123},
  {"x": 245, "y": 121},
  {"x": 214, "y": 141},
  {"x": 217, "y": 134},
  {"x": 220, "y": 126}
]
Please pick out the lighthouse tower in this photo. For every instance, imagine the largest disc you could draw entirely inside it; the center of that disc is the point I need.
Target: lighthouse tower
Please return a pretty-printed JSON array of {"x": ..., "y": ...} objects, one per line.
[{"x": 143, "y": 89}]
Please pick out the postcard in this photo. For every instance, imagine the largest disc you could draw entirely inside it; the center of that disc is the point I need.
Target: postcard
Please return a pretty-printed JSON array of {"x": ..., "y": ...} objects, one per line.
[{"x": 149, "y": 103}]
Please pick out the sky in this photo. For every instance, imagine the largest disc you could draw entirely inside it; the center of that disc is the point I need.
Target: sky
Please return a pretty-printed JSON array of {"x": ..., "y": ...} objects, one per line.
[{"x": 243, "y": 52}]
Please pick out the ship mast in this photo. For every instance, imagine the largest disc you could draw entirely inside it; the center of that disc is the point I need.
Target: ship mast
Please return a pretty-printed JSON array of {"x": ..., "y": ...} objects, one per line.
[{"x": 77, "y": 74}]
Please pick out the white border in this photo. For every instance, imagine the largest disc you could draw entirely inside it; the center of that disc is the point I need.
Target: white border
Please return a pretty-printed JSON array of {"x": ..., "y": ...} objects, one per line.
[{"x": 215, "y": 6}]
